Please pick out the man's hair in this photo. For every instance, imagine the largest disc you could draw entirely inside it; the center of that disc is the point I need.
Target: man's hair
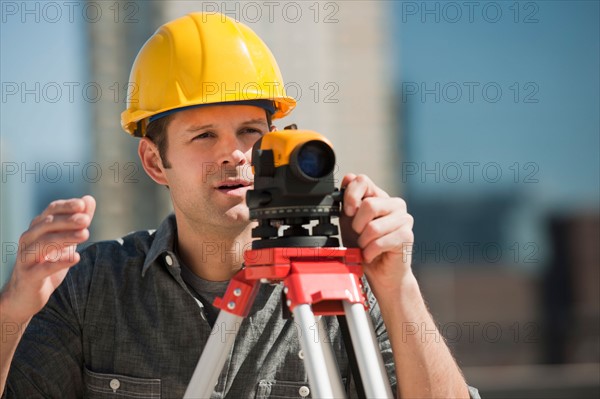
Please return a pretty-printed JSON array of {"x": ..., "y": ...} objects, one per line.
[{"x": 156, "y": 131}]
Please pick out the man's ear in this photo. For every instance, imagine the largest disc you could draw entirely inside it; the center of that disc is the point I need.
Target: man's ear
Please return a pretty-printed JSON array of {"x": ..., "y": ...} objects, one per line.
[{"x": 151, "y": 161}]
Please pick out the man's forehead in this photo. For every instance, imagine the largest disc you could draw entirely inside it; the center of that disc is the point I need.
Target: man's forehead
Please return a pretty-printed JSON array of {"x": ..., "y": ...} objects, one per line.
[{"x": 217, "y": 114}]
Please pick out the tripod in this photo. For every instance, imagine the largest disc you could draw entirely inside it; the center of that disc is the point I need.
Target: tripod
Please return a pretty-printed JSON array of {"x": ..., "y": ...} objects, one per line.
[{"x": 317, "y": 281}]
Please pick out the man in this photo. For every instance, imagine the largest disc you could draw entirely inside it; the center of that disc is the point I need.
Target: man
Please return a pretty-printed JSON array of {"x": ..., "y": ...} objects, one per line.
[{"x": 130, "y": 317}]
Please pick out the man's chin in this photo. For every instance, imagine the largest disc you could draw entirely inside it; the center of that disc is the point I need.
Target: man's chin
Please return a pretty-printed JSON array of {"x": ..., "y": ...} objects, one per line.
[{"x": 238, "y": 213}]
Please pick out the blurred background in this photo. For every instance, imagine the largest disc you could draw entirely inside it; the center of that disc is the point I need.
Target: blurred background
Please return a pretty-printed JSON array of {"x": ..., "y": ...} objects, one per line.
[{"x": 484, "y": 116}]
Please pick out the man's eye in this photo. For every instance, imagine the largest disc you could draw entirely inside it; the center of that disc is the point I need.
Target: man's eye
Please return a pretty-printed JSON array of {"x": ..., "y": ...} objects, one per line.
[
  {"x": 252, "y": 131},
  {"x": 203, "y": 136}
]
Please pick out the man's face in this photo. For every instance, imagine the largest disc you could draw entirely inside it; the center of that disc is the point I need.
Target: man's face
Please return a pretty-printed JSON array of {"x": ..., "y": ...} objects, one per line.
[{"x": 209, "y": 149}]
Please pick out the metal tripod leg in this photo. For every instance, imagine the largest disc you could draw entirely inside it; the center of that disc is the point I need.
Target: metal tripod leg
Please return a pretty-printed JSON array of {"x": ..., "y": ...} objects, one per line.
[
  {"x": 213, "y": 357},
  {"x": 370, "y": 362},
  {"x": 315, "y": 360},
  {"x": 332, "y": 366},
  {"x": 319, "y": 360}
]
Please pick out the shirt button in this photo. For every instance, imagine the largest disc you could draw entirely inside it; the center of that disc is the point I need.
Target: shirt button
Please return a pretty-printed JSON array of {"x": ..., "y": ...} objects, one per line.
[
  {"x": 115, "y": 384},
  {"x": 304, "y": 391},
  {"x": 169, "y": 260},
  {"x": 301, "y": 354}
]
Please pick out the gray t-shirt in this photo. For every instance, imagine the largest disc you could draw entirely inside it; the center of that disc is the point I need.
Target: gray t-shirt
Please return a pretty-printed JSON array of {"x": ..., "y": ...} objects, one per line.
[{"x": 206, "y": 292}]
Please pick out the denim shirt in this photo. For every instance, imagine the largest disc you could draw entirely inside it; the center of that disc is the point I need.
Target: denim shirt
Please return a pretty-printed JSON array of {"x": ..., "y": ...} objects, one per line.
[{"x": 124, "y": 324}]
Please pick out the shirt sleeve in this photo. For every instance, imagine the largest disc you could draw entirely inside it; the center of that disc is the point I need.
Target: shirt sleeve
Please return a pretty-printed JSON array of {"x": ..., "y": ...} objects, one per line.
[{"x": 48, "y": 361}]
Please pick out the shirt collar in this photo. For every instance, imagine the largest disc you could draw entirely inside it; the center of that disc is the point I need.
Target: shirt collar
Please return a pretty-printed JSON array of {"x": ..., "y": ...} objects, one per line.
[{"x": 164, "y": 241}]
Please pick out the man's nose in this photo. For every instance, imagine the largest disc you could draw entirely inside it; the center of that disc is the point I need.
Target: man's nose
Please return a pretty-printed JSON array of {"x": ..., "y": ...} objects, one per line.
[{"x": 232, "y": 152}]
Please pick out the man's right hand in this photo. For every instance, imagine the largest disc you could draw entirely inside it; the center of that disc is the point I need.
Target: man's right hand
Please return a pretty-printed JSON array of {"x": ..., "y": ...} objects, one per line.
[{"x": 46, "y": 252}]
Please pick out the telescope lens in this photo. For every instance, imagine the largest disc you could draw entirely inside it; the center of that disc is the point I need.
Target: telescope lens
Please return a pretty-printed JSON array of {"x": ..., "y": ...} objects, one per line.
[{"x": 315, "y": 159}]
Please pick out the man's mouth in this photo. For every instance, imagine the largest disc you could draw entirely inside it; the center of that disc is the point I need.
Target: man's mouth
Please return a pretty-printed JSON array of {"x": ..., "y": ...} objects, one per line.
[{"x": 233, "y": 186}]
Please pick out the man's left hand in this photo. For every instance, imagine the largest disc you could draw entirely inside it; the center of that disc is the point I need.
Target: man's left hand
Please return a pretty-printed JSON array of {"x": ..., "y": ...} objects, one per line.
[{"x": 381, "y": 226}]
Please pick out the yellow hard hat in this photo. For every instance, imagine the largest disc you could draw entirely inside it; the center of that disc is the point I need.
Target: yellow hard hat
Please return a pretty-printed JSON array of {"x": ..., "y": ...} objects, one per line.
[{"x": 201, "y": 58}]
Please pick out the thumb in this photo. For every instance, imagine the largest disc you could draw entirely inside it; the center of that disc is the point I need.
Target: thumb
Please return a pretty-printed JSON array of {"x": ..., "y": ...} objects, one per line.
[
  {"x": 90, "y": 205},
  {"x": 347, "y": 179}
]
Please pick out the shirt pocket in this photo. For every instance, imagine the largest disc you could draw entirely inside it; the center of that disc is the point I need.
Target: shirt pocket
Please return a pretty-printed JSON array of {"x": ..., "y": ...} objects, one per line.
[
  {"x": 282, "y": 389},
  {"x": 101, "y": 386}
]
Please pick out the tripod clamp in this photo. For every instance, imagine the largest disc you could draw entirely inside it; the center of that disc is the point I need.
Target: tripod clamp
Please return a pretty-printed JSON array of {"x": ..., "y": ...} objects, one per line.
[{"x": 322, "y": 277}]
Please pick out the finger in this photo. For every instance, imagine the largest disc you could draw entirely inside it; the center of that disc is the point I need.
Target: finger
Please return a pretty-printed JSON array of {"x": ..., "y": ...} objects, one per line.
[
  {"x": 90, "y": 205},
  {"x": 382, "y": 226},
  {"x": 347, "y": 179},
  {"x": 358, "y": 189},
  {"x": 66, "y": 207},
  {"x": 65, "y": 238},
  {"x": 55, "y": 223},
  {"x": 66, "y": 254},
  {"x": 396, "y": 242},
  {"x": 73, "y": 205},
  {"x": 55, "y": 262},
  {"x": 370, "y": 208},
  {"x": 37, "y": 251}
]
